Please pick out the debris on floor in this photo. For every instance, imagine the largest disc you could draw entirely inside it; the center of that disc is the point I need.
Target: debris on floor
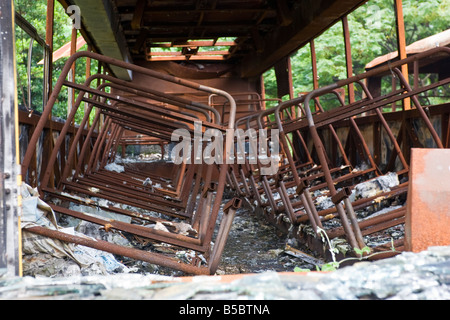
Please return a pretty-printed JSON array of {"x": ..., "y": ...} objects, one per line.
[{"x": 408, "y": 276}]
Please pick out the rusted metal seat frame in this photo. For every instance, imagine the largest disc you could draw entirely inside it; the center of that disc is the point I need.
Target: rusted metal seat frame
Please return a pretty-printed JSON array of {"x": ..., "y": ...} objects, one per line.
[
  {"x": 295, "y": 169},
  {"x": 248, "y": 175},
  {"x": 71, "y": 155},
  {"x": 405, "y": 92},
  {"x": 352, "y": 227},
  {"x": 174, "y": 195},
  {"x": 107, "y": 60},
  {"x": 248, "y": 170},
  {"x": 305, "y": 181},
  {"x": 71, "y": 152},
  {"x": 211, "y": 206},
  {"x": 348, "y": 226},
  {"x": 123, "y": 86},
  {"x": 96, "y": 154}
]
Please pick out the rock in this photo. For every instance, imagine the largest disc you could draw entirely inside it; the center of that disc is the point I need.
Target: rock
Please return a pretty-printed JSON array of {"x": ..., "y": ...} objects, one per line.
[
  {"x": 45, "y": 265},
  {"x": 115, "y": 167},
  {"x": 275, "y": 252},
  {"x": 376, "y": 186}
]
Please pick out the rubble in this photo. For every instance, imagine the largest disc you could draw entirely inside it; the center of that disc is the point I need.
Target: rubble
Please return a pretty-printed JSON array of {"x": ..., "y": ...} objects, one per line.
[
  {"x": 115, "y": 167},
  {"x": 408, "y": 276},
  {"x": 376, "y": 186}
]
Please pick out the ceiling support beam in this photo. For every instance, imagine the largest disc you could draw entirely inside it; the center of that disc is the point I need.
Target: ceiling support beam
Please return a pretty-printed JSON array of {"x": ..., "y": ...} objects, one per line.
[
  {"x": 102, "y": 27},
  {"x": 138, "y": 14}
]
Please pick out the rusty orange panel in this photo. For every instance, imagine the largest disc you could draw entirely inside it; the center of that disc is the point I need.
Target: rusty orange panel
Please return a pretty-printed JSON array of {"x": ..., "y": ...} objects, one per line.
[{"x": 428, "y": 208}]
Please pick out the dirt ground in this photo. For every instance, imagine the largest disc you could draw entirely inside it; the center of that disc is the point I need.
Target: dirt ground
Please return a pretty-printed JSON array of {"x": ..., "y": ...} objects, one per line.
[{"x": 255, "y": 246}]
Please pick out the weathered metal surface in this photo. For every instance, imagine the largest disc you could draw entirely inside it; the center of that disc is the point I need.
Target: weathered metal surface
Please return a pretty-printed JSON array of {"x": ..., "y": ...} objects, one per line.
[
  {"x": 428, "y": 206},
  {"x": 317, "y": 158}
]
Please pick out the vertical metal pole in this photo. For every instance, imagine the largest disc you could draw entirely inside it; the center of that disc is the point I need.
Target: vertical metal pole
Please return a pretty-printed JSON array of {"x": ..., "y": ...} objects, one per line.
[
  {"x": 100, "y": 70},
  {"x": 49, "y": 41},
  {"x": 348, "y": 59},
  {"x": 314, "y": 65},
  {"x": 10, "y": 178},
  {"x": 291, "y": 85},
  {"x": 73, "y": 49},
  {"x": 48, "y": 142},
  {"x": 88, "y": 74},
  {"x": 263, "y": 92},
  {"x": 401, "y": 43}
]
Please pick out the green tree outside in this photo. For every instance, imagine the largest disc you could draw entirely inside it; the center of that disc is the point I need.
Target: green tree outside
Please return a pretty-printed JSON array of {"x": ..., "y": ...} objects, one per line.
[
  {"x": 372, "y": 34},
  {"x": 35, "y": 13}
]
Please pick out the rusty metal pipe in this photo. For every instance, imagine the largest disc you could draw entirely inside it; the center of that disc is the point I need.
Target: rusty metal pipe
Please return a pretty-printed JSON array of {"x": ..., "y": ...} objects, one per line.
[
  {"x": 162, "y": 97},
  {"x": 154, "y": 258},
  {"x": 83, "y": 151},
  {"x": 420, "y": 109},
  {"x": 98, "y": 143},
  {"x": 323, "y": 162},
  {"x": 386, "y": 127},
  {"x": 307, "y": 204},
  {"x": 358, "y": 132},
  {"x": 146, "y": 232},
  {"x": 139, "y": 104},
  {"x": 229, "y": 212}
]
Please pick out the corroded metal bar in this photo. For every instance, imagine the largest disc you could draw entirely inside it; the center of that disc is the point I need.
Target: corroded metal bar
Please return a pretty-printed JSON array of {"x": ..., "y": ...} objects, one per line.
[
  {"x": 151, "y": 257},
  {"x": 229, "y": 212}
]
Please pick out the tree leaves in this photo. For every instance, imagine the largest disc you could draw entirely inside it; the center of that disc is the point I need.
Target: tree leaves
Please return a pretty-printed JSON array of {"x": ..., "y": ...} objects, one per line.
[
  {"x": 35, "y": 13},
  {"x": 372, "y": 34}
]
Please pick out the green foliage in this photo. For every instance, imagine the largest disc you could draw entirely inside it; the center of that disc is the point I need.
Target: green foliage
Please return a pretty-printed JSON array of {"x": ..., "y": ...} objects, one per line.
[
  {"x": 372, "y": 34},
  {"x": 425, "y": 18},
  {"x": 298, "y": 269},
  {"x": 35, "y": 13},
  {"x": 361, "y": 252},
  {"x": 364, "y": 253},
  {"x": 330, "y": 266}
]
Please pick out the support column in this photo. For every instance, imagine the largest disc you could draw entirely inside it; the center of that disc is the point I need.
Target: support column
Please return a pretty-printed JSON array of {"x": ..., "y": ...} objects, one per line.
[
  {"x": 88, "y": 74},
  {"x": 314, "y": 65},
  {"x": 10, "y": 178},
  {"x": 48, "y": 140},
  {"x": 291, "y": 85},
  {"x": 263, "y": 91},
  {"x": 49, "y": 40},
  {"x": 348, "y": 58},
  {"x": 73, "y": 50},
  {"x": 401, "y": 44}
]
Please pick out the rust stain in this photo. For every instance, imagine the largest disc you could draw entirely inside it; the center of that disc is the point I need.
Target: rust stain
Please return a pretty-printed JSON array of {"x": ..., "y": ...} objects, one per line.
[{"x": 428, "y": 212}]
